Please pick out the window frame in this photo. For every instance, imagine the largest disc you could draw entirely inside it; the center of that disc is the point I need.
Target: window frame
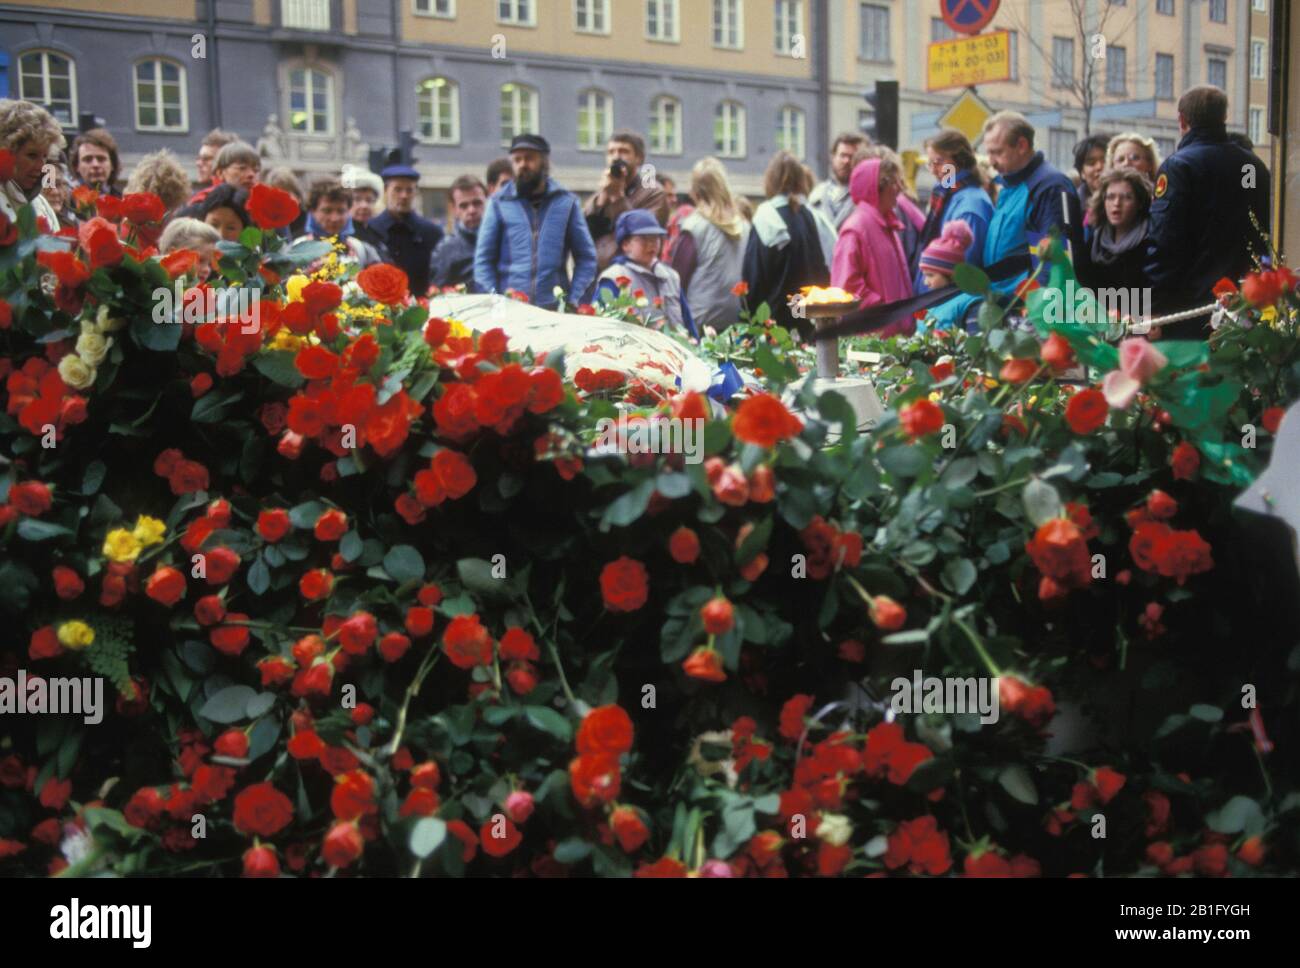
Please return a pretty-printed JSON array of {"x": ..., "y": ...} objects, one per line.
[
  {"x": 585, "y": 104},
  {"x": 1221, "y": 5},
  {"x": 1256, "y": 124},
  {"x": 779, "y": 21},
  {"x": 331, "y": 104},
  {"x": 1155, "y": 76},
  {"x": 45, "y": 53},
  {"x": 660, "y": 6},
  {"x": 534, "y": 99},
  {"x": 1060, "y": 80},
  {"x": 1210, "y": 61},
  {"x": 738, "y": 23},
  {"x": 432, "y": 11},
  {"x": 514, "y": 19},
  {"x": 801, "y": 117},
  {"x": 863, "y": 53},
  {"x": 182, "y": 84},
  {"x": 1122, "y": 89},
  {"x": 1172, "y": 11},
  {"x": 739, "y": 115},
  {"x": 606, "y": 15},
  {"x": 1262, "y": 47},
  {"x": 677, "y": 127},
  {"x": 433, "y": 139}
]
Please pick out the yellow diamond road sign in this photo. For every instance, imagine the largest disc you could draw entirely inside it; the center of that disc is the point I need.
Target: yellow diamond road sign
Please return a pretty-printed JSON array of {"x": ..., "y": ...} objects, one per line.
[{"x": 967, "y": 114}]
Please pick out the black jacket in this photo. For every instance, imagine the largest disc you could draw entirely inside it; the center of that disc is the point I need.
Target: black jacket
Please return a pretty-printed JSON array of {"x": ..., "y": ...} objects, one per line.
[
  {"x": 452, "y": 263},
  {"x": 410, "y": 241},
  {"x": 1200, "y": 221},
  {"x": 775, "y": 274},
  {"x": 1127, "y": 270}
]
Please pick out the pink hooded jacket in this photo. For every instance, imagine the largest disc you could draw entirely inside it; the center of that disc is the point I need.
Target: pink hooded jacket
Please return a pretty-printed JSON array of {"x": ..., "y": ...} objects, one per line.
[{"x": 869, "y": 260}]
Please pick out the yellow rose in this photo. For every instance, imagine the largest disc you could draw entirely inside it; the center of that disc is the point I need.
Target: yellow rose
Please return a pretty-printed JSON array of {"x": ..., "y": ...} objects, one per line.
[
  {"x": 148, "y": 531},
  {"x": 76, "y": 372},
  {"x": 92, "y": 347},
  {"x": 121, "y": 545},
  {"x": 457, "y": 328},
  {"x": 294, "y": 286},
  {"x": 75, "y": 635},
  {"x": 105, "y": 324},
  {"x": 285, "y": 340}
]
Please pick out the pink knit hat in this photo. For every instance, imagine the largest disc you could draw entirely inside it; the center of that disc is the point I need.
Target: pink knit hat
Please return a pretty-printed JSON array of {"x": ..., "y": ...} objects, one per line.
[{"x": 948, "y": 249}]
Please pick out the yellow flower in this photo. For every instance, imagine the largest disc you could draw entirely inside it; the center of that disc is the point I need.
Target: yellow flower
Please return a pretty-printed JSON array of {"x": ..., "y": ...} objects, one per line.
[
  {"x": 92, "y": 346},
  {"x": 121, "y": 545},
  {"x": 990, "y": 382},
  {"x": 294, "y": 286},
  {"x": 936, "y": 396},
  {"x": 285, "y": 340},
  {"x": 76, "y": 373},
  {"x": 76, "y": 634},
  {"x": 457, "y": 328},
  {"x": 148, "y": 531},
  {"x": 1269, "y": 316}
]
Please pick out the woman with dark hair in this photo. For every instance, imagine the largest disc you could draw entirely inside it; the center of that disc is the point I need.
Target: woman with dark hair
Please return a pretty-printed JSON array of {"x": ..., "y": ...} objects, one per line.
[
  {"x": 958, "y": 194},
  {"x": 224, "y": 209},
  {"x": 1120, "y": 208},
  {"x": 789, "y": 247},
  {"x": 1089, "y": 162}
]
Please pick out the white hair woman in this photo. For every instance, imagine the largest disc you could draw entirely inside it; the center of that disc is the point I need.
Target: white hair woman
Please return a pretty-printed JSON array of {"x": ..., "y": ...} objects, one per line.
[
  {"x": 1129, "y": 149},
  {"x": 29, "y": 133}
]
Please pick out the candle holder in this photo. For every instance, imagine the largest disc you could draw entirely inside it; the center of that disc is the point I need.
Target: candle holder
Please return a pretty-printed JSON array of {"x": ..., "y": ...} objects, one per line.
[{"x": 860, "y": 392}]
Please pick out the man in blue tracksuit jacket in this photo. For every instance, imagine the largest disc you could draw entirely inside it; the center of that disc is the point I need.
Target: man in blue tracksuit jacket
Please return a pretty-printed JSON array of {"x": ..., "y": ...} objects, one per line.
[
  {"x": 1034, "y": 198},
  {"x": 1200, "y": 229},
  {"x": 530, "y": 229}
]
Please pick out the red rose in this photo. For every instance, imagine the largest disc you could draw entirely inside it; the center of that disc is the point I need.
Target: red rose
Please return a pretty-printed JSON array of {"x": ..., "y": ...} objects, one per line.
[
  {"x": 941, "y": 371},
  {"x": 143, "y": 208},
  {"x": 1184, "y": 461},
  {"x": 522, "y": 677},
  {"x": 519, "y": 806},
  {"x": 353, "y": 795},
  {"x": 1161, "y": 506},
  {"x": 454, "y": 472},
  {"x": 276, "y": 670},
  {"x": 209, "y": 610},
  {"x": 187, "y": 477},
  {"x": 331, "y": 525},
  {"x": 547, "y": 390},
  {"x": 358, "y": 633},
  {"x": 343, "y": 844},
  {"x": 1271, "y": 419},
  {"x": 499, "y": 846},
  {"x": 230, "y": 639},
  {"x": 316, "y": 362},
  {"x": 67, "y": 583},
  {"x": 260, "y": 861},
  {"x": 99, "y": 240},
  {"x": 467, "y": 642},
  {"x": 232, "y": 743},
  {"x": 419, "y": 620},
  {"x": 1059, "y": 551},
  {"x": 262, "y": 810},
  {"x": 684, "y": 546},
  {"x": 606, "y": 729},
  {"x": 271, "y": 208},
  {"x": 31, "y": 498},
  {"x": 316, "y": 584},
  {"x": 384, "y": 284},
  {"x": 1057, "y": 352},
  {"x": 595, "y": 779},
  {"x": 887, "y": 614},
  {"x": 921, "y": 417},
  {"x": 165, "y": 586},
  {"x": 718, "y": 616},
  {"x": 273, "y": 524},
  {"x": 629, "y": 828},
  {"x": 763, "y": 420},
  {"x": 1086, "y": 411},
  {"x": 1017, "y": 370},
  {"x": 517, "y": 644},
  {"x": 1033, "y": 704},
  {"x": 706, "y": 664},
  {"x": 624, "y": 585},
  {"x": 55, "y": 793},
  {"x": 792, "y": 715},
  {"x": 393, "y": 646},
  {"x": 221, "y": 565}
]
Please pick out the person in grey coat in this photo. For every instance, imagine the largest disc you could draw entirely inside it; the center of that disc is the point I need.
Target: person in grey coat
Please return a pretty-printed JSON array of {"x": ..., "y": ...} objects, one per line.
[{"x": 711, "y": 248}]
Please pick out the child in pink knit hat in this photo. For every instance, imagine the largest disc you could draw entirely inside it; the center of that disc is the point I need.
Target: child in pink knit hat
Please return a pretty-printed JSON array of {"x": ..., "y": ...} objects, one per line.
[{"x": 942, "y": 255}]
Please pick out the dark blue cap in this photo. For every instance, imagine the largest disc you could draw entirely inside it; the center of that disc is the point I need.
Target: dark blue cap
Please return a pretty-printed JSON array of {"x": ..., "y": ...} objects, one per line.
[
  {"x": 637, "y": 221},
  {"x": 530, "y": 142},
  {"x": 399, "y": 171}
]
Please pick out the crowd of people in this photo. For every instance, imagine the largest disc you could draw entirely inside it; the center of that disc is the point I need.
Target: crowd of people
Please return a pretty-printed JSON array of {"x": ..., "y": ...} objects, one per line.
[{"x": 1131, "y": 220}]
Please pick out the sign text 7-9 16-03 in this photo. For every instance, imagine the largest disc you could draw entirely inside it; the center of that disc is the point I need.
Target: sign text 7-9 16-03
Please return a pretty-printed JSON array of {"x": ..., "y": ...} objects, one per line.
[{"x": 969, "y": 60}]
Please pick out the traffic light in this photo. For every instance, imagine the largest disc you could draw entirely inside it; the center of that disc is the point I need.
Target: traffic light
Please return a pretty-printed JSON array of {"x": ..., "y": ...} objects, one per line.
[
  {"x": 406, "y": 148},
  {"x": 883, "y": 126}
]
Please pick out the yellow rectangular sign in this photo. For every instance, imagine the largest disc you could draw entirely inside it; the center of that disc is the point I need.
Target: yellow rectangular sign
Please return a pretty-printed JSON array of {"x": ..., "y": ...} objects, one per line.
[{"x": 981, "y": 59}]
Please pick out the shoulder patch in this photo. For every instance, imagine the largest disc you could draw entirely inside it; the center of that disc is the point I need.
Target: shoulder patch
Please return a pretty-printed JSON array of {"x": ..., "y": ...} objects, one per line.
[{"x": 1161, "y": 184}]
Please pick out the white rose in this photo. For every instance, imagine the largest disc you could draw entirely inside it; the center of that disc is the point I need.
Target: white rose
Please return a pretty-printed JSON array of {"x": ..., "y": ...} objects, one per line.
[
  {"x": 92, "y": 347},
  {"x": 835, "y": 829},
  {"x": 105, "y": 324},
  {"x": 75, "y": 372}
]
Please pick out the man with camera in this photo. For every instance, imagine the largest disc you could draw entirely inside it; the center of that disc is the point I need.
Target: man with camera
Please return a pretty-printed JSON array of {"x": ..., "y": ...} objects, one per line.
[{"x": 625, "y": 186}]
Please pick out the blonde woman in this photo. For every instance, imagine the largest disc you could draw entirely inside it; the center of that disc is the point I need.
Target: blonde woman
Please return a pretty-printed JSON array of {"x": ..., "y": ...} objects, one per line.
[
  {"x": 161, "y": 174},
  {"x": 29, "y": 132},
  {"x": 711, "y": 247},
  {"x": 1129, "y": 149}
]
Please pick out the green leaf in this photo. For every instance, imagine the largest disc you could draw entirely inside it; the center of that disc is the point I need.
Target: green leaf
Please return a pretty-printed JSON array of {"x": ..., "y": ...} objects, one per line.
[
  {"x": 351, "y": 546},
  {"x": 903, "y": 460},
  {"x": 629, "y": 507},
  {"x": 1041, "y": 501},
  {"x": 300, "y": 253},
  {"x": 571, "y": 850},
  {"x": 673, "y": 485},
  {"x": 304, "y": 515},
  {"x": 93, "y": 477},
  {"x": 476, "y": 575},
  {"x": 30, "y": 529},
  {"x": 959, "y": 575},
  {"x": 960, "y": 472},
  {"x": 1206, "y": 713},
  {"x": 549, "y": 721},
  {"x": 427, "y": 836},
  {"x": 260, "y": 704},
  {"x": 404, "y": 563},
  {"x": 1015, "y": 779},
  {"x": 1240, "y": 814},
  {"x": 159, "y": 337},
  {"x": 259, "y": 576},
  {"x": 970, "y": 279},
  {"x": 228, "y": 705},
  {"x": 211, "y": 407},
  {"x": 278, "y": 367}
]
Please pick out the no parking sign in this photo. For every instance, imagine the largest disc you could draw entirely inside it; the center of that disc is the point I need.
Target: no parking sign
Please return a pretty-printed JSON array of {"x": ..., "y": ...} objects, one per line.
[{"x": 968, "y": 16}]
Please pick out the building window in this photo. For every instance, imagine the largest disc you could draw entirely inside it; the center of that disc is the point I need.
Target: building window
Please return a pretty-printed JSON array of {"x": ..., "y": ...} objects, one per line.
[
  {"x": 941, "y": 31},
  {"x": 1165, "y": 76},
  {"x": 1062, "y": 61},
  {"x": 50, "y": 80},
  {"x": 160, "y": 96},
  {"x": 438, "y": 101},
  {"x": 518, "y": 13},
  {"x": 874, "y": 40},
  {"x": 435, "y": 8},
  {"x": 518, "y": 111},
  {"x": 1255, "y": 130},
  {"x": 789, "y": 24},
  {"x": 311, "y": 101},
  {"x": 1258, "y": 60},
  {"x": 1165, "y": 7},
  {"x": 666, "y": 126},
  {"x": 661, "y": 21},
  {"x": 1219, "y": 11},
  {"x": 1116, "y": 69},
  {"x": 591, "y": 16},
  {"x": 1216, "y": 73},
  {"x": 729, "y": 130},
  {"x": 1165, "y": 146},
  {"x": 595, "y": 120},
  {"x": 1261, "y": 5},
  {"x": 728, "y": 24},
  {"x": 305, "y": 14},
  {"x": 1060, "y": 147},
  {"x": 790, "y": 131}
]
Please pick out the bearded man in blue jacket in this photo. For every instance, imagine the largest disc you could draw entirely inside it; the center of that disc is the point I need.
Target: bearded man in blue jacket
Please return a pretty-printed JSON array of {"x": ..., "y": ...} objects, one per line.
[{"x": 530, "y": 229}]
